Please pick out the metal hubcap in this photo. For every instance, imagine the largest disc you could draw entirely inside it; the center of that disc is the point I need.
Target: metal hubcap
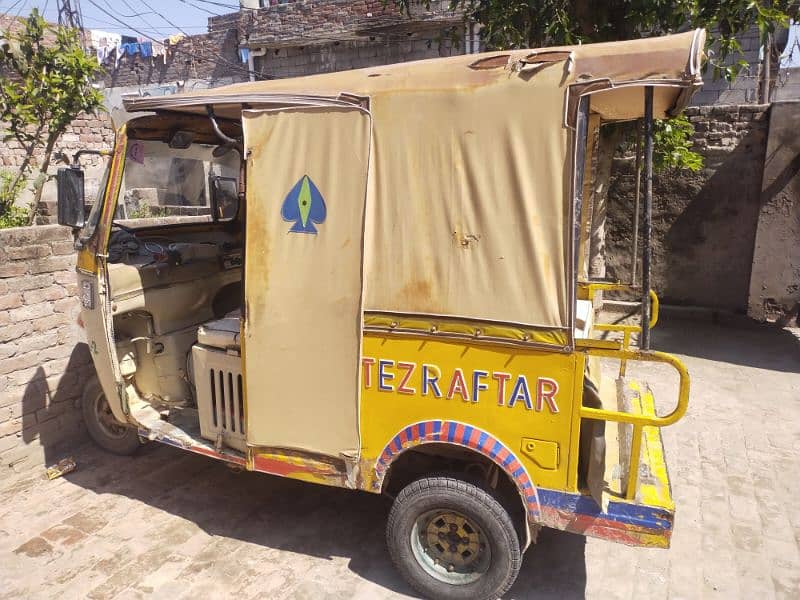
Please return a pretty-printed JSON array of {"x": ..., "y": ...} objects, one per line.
[
  {"x": 105, "y": 418},
  {"x": 450, "y": 547}
]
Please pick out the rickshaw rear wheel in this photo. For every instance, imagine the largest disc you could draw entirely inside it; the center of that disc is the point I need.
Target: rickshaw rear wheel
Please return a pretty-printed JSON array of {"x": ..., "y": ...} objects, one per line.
[
  {"x": 103, "y": 427},
  {"x": 453, "y": 540}
]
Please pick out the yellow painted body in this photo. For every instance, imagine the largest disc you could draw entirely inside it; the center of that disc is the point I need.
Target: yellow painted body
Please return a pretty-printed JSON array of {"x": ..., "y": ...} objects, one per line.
[{"x": 511, "y": 420}]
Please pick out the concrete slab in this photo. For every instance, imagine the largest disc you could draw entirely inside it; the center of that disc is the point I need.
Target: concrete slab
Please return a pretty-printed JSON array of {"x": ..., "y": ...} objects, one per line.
[{"x": 168, "y": 524}]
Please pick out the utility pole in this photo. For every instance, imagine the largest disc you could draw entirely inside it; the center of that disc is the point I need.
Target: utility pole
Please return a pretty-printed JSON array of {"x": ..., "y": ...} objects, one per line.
[{"x": 69, "y": 15}]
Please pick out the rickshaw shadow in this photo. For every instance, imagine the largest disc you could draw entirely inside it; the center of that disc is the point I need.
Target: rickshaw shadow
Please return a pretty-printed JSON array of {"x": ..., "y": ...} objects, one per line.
[
  {"x": 738, "y": 342},
  {"x": 275, "y": 513}
]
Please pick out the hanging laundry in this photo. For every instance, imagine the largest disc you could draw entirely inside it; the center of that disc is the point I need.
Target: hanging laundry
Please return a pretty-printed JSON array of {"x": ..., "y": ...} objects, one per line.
[
  {"x": 244, "y": 54},
  {"x": 175, "y": 38},
  {"x": 104, "y": 43},
  {"x": 146, "y": 49},
  {"x": 129, "y": 48},
  {"x": 158, "y": 49}
]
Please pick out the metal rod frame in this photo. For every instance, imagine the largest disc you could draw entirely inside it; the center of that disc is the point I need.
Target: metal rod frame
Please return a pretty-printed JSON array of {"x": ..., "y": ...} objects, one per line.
[
  {"x": 581, "y": 132},
  {"x": 644, "y": 342},
  {"x": 636, "y": 206}
]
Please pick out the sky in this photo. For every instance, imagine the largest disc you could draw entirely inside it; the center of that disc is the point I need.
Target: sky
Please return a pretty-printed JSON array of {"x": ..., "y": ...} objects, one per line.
[{"x": 156, "y": 18}]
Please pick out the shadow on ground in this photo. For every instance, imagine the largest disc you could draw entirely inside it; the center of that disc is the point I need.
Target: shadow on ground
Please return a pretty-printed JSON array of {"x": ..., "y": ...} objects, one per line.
[
  {"x": 298, "y": 517},
  {"x": 746, "y": 343}
]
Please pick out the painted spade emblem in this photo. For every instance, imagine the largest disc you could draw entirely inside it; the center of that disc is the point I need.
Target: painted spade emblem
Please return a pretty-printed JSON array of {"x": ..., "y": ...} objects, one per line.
[{"x": 305, "y": 206}]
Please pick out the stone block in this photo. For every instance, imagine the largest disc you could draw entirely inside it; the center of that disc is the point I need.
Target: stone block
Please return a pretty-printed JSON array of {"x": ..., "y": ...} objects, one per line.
[
  {"x": 52, "y": 263},
  {"x": 48, "y": 322},
  {"x": 14, "y": 269},
  {"x": 37, "y": 342},
  {"x": 9, "y": 301},
  {"x": 54, "y": 292},
  {"x": 22, "y": 284},
  {"x": 31, "y": 311},
  {"x": 25, "y": 252},
  {"x": 66, "y": 247},
  {"x": 12, "y": 332},
  {"x": 65, "y": 304},
  {"x": 18, "y": 362}
]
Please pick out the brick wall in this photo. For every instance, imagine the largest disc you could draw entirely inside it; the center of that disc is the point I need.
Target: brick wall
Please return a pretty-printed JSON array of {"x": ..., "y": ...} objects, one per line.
[
  {"x": 210, "y": 56},
  {"x": 298, "y": 61},
  {"x": 704, "y": 224},
  {"x": 43, "y": 360},
  {"x": 86, "y": 132}
]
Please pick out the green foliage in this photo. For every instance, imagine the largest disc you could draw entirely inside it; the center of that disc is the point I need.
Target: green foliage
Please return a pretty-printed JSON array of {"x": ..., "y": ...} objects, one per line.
[
  {"x": 48, "y": 84},
  {"x": 10, "y": 189},
  {"x": 672, "y": 145},
  {"x": 145, "y": 211},
  {"x": 539, "y": 23},
  {"x": 51, "y": 81}
]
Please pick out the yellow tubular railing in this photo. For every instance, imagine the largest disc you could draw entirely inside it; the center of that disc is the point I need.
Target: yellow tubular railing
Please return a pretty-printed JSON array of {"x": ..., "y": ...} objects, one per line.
[
  {"x": 640, "y": 421},
  {"x": 627, "y": 330}
]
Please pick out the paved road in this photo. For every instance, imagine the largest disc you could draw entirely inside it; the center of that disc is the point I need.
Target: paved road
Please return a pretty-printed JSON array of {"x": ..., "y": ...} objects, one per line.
[{"x": 167, "y": 524}]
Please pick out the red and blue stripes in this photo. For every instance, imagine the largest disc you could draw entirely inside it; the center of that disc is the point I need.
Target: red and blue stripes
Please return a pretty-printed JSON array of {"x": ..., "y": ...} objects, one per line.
[
  {"x": 629, "y": 523},
  {"x": 453, "y": 432}
]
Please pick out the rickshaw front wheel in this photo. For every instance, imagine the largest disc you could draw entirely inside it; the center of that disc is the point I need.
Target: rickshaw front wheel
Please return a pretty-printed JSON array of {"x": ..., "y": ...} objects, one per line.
[
  {"x": 453, "y": 540},
  {"x": 102, "y": 425}
]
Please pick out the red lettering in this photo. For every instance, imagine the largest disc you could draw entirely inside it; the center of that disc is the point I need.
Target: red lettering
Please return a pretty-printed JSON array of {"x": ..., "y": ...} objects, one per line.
[
  {"x": 409, "y": 368},
  {"x": 501, "y": 379},
  {"x": 458, "y": 386},
  {"x": 546, "y": 395},
  {"x": 366, "y": 366}
]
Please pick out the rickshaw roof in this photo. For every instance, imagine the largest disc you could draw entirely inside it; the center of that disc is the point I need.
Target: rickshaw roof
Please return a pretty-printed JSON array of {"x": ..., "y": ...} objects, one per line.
[{"x": 671, "y": 63}]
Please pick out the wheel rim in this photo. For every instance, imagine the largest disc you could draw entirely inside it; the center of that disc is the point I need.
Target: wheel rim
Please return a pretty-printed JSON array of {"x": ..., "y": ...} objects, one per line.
[
  {"x": 450, "y": 547},
  {"x": 106, "y": 420}
]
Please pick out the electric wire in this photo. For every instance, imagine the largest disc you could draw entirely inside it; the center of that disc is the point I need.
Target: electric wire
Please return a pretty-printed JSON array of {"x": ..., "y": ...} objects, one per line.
[
  {"x": 190, "y": 54},
  {"x": 205, "y": 10}
]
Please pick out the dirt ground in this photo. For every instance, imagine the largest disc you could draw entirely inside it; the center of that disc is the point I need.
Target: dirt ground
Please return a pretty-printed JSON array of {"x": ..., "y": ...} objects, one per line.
[{"x": 168, "y": 524}]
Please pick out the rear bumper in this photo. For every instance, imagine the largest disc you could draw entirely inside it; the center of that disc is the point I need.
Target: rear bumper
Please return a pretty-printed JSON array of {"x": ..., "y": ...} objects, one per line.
[{"x": 624, "y": 522}]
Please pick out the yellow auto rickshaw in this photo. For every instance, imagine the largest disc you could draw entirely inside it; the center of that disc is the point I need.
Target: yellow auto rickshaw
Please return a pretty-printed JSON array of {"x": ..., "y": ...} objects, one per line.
[{"x": 377, "y": 279}]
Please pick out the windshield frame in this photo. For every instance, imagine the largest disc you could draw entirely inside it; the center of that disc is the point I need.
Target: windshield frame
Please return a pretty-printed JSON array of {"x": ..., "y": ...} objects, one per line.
[{"x": 90, "y": 227}]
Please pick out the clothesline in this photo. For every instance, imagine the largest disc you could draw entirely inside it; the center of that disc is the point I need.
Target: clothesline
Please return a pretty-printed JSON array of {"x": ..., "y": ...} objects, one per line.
[{"x": 105, "y": 44}]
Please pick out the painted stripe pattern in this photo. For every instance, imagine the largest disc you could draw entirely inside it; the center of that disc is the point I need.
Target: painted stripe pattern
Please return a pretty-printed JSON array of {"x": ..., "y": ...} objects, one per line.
[
  {"x": 453, "y": 432},
  {"x": 628, "y": 523}
]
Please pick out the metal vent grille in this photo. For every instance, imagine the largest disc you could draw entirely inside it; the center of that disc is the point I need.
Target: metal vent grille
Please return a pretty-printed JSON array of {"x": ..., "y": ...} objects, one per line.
[
  {"x": 227, "y": 401},
  {"x": 220, "y": 396}
]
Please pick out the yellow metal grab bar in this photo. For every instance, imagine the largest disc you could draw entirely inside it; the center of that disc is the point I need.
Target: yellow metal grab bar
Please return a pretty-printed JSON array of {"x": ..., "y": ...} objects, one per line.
[
  {"x": 640, "y": 421},
  {"x": 627, "y": 330}
]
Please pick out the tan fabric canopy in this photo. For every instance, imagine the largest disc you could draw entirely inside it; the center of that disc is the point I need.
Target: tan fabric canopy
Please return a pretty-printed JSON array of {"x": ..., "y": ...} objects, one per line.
[{"x": 468, "y": 210}]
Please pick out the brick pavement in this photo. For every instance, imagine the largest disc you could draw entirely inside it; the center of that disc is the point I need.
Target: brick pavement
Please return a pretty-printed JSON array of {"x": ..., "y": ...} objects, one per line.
[{"x": 167, "y": 524}]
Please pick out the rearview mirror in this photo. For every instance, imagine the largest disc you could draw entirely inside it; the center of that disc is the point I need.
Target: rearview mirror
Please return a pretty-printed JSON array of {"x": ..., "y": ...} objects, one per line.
[
  {"x": 70, "y": 197},
  {"x": 224, "y": 198}
]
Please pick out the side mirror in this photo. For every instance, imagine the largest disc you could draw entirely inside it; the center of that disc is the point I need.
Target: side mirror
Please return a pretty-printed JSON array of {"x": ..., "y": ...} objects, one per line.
[
  {"x": 224, "y": 198},
  {"x": 69, "y": 181}
]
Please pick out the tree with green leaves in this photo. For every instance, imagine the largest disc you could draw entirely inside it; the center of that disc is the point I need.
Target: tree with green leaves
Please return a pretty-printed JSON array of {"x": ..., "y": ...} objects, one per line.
[
  {"x": 45, "y": 82},
  {"x": 537, "y": 23}
]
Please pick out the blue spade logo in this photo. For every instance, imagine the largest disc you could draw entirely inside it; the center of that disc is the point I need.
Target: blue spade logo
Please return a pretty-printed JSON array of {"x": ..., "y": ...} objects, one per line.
[{"x": 305, "y": 206}]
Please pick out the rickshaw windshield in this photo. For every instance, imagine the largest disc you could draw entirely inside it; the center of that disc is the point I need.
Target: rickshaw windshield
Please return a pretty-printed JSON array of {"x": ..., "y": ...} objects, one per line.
[
  {"x": 162, "y": 181},
  {"x": 97, "y": 208}
]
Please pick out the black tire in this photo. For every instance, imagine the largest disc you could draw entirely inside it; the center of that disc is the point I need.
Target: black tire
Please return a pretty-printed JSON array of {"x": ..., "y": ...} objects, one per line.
[
  {"x": 103, "y": 428},
  {"x": 437, "y": 504}
]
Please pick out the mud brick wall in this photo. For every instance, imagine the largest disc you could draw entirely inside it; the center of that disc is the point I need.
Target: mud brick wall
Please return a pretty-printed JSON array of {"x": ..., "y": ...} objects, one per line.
[
  {"x": 43, "y": 359},
  {"x": 704, "y": 224},
  {"x": 94, "y": 132}
]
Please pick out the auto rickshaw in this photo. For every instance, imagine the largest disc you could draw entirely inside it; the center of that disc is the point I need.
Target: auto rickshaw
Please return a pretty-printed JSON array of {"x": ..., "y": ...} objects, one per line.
[{"x": 383, "y": 286}]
